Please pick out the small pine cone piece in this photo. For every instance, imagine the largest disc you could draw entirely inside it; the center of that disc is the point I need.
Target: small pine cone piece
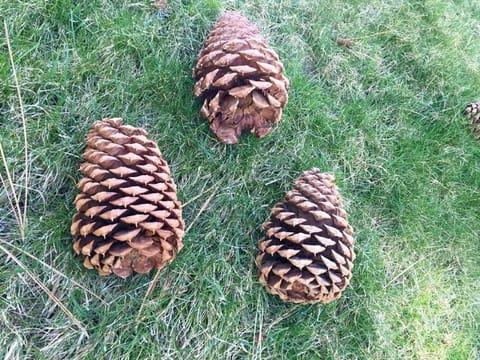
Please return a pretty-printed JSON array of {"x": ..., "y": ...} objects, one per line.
[
  {"x": 128, "y": 217},
  {"x": 307, "y": 255},
  {"x": 240, "y": 78}
]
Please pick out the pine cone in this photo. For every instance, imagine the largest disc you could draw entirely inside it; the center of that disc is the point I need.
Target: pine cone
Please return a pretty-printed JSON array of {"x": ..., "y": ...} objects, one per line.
[
  {"x": 307, "y": 256},
  {"x": 128, "y": 217},
  {"x": 472, "y": 109},
  {"x": 240, "y": 79}
]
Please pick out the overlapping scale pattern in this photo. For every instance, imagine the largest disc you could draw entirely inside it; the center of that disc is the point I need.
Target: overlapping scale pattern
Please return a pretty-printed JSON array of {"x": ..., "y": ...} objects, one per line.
[
  {"x": 128, "y": 216},
  {"x": 240, "y": 79},
  {"x": 308, "y": 252}
]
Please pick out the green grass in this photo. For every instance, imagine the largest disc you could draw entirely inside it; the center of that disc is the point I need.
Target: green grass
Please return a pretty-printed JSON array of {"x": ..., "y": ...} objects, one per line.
[{"x": 385, "y": 118}]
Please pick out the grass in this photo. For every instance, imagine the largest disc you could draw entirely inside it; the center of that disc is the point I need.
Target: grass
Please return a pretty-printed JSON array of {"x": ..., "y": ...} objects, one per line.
[{"x": 385, "y": 117}]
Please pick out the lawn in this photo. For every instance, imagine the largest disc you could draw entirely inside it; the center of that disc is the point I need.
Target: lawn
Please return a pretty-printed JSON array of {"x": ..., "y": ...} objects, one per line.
[{"x": 385, "y": 117}]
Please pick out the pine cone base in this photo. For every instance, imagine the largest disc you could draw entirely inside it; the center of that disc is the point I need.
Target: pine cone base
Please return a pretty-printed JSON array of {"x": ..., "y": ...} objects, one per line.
[
  {"x": 128, "y": 217},
  {"x": 308, "y": 252}
]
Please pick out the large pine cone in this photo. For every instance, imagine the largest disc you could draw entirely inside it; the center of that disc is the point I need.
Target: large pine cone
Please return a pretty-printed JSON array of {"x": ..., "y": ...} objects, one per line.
[
  {"x": 128, "y": 217},
  {"x": 307, "y": 256},
  {"x": 240, "y": 79}
]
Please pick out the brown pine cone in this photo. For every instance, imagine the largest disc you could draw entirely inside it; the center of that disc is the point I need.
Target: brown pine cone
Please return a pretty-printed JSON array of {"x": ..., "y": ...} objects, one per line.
[
  {"x": 240, "y": 78},
  {"x": 128, "y": 217},
  {"x": 472, "y": 109},
  {"x": 307, "y": 255}
]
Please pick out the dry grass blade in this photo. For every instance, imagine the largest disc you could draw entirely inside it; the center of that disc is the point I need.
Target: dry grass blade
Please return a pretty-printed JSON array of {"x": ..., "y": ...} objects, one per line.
[
  {"x": 51, "y": 295},
  {"x": 154, "y": 281},
  {"x": 18, "y": 212},
  {"x": 54, "y": 270},
  {"x": 411, "y": 266},
  {"x": 9, "y": 198},
  {"x": 22, "y": 217},
  {"x": 202, "y": 209},
  {"x": 24, "y": 124},
  {"x": 203, "y": 192},
  {"x": 280, "y": 318}
]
